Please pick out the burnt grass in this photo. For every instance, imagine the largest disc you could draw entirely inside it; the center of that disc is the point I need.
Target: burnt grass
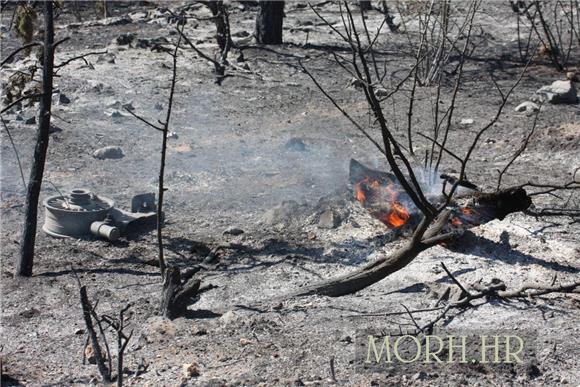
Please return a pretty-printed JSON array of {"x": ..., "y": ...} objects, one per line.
[{"x": 265, "y": 152}]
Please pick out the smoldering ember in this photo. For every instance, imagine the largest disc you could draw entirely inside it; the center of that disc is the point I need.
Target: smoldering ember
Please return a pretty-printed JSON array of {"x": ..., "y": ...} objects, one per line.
[{"x": 229, "y": 193}]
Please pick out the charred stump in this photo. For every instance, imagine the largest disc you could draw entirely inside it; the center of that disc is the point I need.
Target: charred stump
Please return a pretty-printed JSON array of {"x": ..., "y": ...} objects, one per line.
[
  {"x": 269, "y": 22},
  {"x": 178, "y": 291}
]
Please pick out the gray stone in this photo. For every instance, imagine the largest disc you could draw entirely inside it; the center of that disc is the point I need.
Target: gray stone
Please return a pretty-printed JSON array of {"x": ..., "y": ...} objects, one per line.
[
  {"x": 109, "y": 152},
  {"x": 527, "y": 106},
  {"x": 559, "y": 92},
  {"x": 63, "y": 99},
  {"x": 114, "y": 113},
  {"x": 54, "y": 129},
  {"x": 467, "y": 121},
  {"x": 125, "y": 39},
  {"x": 354, "y": 82},
  {"x": 30, "y": 121},
  {"x": 128, "y": 106},
  {"x": 229, "y": 317},
  {"x": 329, "y": 219},
  {"x": 295, "y": 144},
  {"x": 380, "y": 92},
  {"x": 233, "y": 231}
]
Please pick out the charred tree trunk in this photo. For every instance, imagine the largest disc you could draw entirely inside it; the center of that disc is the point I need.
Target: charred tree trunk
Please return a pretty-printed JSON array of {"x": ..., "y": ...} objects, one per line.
[
  {"x": 223, "y": 36},
  {"x": 177, "y": 292},
  {"x": 28, "y": 238},
  {"x": 365, "y": 5},
  {"x": 269, "y": 22}
]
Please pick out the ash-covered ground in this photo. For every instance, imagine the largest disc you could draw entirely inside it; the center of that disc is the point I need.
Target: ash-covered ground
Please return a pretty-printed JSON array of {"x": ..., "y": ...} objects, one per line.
[{"x": 266, "y": 153}]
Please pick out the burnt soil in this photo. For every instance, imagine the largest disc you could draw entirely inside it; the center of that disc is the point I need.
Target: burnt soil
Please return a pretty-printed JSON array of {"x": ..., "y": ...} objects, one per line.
[{"x": 238, "y": 161}]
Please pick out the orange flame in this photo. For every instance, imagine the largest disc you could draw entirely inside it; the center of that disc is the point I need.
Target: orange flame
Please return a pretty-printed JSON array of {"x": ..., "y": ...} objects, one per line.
[
  {"x": 397, "y": 217},
  {"x": 359, "y": 192},
  {"x": 456, "y": 221}
]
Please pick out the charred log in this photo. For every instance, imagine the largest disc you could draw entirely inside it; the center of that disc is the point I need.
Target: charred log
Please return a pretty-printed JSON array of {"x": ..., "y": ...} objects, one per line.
[{"x": 488, "y": 206}]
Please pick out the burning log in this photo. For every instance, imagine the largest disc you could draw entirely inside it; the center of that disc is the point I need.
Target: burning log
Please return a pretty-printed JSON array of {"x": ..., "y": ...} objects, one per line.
[
  {"x": 385, "y": 199},
  {"x": 380, "y": 193}
]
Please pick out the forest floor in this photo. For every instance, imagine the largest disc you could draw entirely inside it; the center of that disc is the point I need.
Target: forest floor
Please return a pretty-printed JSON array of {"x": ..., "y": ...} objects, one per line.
[{"x": 232, "y": 165}]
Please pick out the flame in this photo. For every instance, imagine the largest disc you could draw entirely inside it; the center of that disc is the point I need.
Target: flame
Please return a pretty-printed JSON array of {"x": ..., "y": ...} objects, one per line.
[
  {"x": 397, "y": 215},
  {"x": 456, "y": 221},
  {"x": 359, "y": 192},
  {"x": 466, "y": 211}
]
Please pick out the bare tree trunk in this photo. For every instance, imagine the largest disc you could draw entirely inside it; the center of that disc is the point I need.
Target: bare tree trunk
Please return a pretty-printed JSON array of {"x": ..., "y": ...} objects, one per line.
[
  {"x": 365, "y": 5},
  {"x": 223, "y": 36},
  {"x": 24, "y": 265},
  {"x": 269, "y": 22}
]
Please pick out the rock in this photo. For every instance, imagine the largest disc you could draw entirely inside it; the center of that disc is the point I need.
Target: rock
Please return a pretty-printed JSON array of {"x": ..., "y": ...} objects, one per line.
[
  {"x": 129, "y": 106},
  {"x": 328, "y": 219},
  {"x": 114, "y": 113},
  {"x": 190, "y": 370},
  {"x": 18, "y": 118},
  {"x": 244, "y": 342},
  {"x": 30, "y": 121},
  {"x": 559, "y": 92},
  {"x": 233, "y": 231},
  {"x": 573, "y": 76},
  {"x": 109, "y": 152},
  {"x": 106, "y": 58},
  {"x": 125, "y": 39},
  {"x": 354, "y": 82},
  {"x": 421, "y": 375},
  {"x": 172, "y": 135},
  {"x": 295, "y": 144},
  {"x": 229, "y": 317},
  {"x": 577, "y": 175},
  {"x": 90, "y": 354},
  {"x": 54, "y": 129},
  {"x": 467, "y": 121},
  {"x": 527, "y": 106},
  {"x": 241, "y": 34},
  {"x": 63, "y": 99},
  {"x": 380, "y": 92}
]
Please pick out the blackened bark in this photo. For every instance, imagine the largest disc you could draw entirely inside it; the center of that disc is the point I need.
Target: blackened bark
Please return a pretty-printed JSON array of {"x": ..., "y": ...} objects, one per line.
[
  {"x": 25, "y": 263},
  {"x": 177, "y": 292},
  {"x": 269, "y": 22},
  {"x": 223, "y": 36},
  {"x": 365, "y": 5}
]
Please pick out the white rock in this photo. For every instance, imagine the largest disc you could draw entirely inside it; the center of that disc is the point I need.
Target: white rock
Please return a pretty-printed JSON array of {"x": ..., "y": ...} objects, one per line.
[
  {"x": 527, "y": 106},
  {"x": 559, "y": 92},
  {"x": 467, "y": 121}
]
